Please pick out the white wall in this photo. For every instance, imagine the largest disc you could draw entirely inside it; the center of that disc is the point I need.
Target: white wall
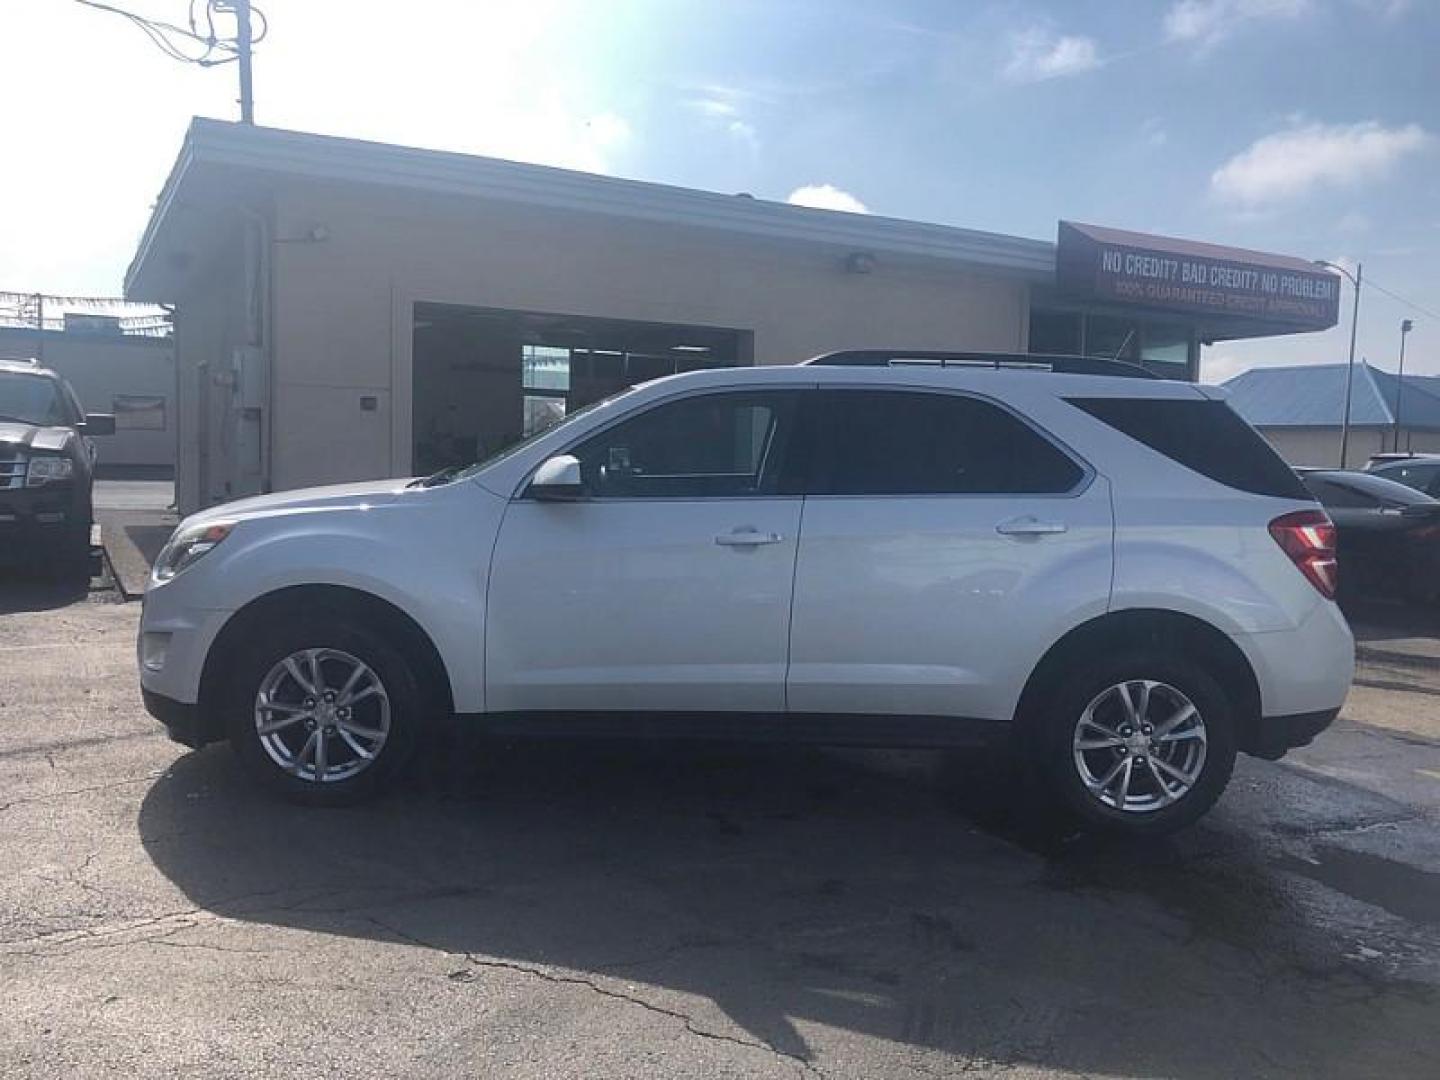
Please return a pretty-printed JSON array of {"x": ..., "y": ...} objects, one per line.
[
  {"x": 343, "y": 305},
  {"x": 100, "y": 368}
]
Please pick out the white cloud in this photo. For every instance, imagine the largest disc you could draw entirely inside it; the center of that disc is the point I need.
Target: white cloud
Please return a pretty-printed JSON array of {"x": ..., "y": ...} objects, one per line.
[
  {"x": 1291, "y": 163},
  {"x": 1386, "y": 9},
  {"x": 1208, "y": 22},
  {"x": 826, "y": 197},
  {"x": 740, "y": 131},
  {"x": 1038, "y": 54},
  {"x": 1153, "y": 132},
  {"x": 714, "y": 108},
  {"x": 717, "y": 112},
  {"x": 1218, "y": 367}
]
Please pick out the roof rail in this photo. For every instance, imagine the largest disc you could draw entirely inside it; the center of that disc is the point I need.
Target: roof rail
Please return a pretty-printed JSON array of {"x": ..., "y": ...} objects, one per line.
[{"x": 1066, "y": 365}]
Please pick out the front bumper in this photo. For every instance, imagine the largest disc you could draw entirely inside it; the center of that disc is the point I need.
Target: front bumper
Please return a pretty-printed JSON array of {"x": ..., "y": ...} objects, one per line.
[
  {"x": 39, "y": 520},
  {"x": 185, "y": 723},
  {"x": 1274, "y": 736}
]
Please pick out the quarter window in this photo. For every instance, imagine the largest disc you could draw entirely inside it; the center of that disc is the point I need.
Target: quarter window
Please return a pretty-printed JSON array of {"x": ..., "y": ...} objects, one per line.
[
  {"x": 711, "y": 446},
  {"x": 895, "y": 442}
]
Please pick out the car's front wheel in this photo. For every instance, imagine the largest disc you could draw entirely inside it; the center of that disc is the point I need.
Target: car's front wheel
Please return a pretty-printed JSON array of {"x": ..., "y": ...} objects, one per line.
[
  {"x": 324, "y": 712},
  {"x": 1141, "y": 743}
]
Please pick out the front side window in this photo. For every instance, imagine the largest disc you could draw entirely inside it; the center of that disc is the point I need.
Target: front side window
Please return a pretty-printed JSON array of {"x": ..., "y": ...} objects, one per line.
[
  {"x": 709, "y": 446},
  {"x": 893, "y": 442}
]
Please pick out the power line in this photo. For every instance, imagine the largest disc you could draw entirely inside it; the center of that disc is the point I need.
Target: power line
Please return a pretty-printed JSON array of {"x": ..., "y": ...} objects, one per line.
[
  {"x": 172, "y": 40},
  {"x": 1396, "y": 296}
]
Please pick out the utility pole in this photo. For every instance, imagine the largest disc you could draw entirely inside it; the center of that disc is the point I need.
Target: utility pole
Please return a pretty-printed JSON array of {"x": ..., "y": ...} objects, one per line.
[
  {"x": 242, "y": 44},
  {"x": 1406, "y": 325},
  {"x": 40, "y": 326},
  {"x": 1355, "y": 280}
]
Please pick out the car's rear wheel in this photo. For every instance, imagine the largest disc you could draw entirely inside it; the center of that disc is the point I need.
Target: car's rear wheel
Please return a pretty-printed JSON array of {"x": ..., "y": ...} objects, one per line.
[
  {"x": 324, "y": 712},
  {"x": 1141, "y": 744}
]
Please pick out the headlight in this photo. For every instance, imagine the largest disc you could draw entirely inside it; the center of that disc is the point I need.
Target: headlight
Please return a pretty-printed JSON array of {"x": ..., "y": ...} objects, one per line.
[
  {"x": 48, "y": 469},
  {"x": 188, "y": 545}
]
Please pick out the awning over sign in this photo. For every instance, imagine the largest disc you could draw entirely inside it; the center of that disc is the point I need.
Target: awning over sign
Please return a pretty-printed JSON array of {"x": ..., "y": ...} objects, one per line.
[{"x": 1186, "y": 277}]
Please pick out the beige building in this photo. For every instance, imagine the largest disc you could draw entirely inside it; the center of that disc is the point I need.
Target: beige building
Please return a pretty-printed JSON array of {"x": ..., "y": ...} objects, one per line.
[
  {"x": 1301, "y": 409},
  {"x": 348, "y": 310}
]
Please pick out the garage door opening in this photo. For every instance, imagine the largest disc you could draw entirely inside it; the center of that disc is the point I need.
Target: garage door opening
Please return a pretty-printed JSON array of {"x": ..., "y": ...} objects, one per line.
[{"x": 484, "y": 379}]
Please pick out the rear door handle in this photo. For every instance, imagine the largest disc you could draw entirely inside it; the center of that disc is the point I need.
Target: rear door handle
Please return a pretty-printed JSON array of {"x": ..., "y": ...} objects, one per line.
[
  {"x": 747, "y": 538},
  {"x": 1029, "y": 526}
]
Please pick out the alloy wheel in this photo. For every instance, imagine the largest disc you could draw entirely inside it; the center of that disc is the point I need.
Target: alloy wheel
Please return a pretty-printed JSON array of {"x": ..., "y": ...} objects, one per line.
[
  {"x": 1139, "y": 746},
  {"x": 322, "y": 715}
]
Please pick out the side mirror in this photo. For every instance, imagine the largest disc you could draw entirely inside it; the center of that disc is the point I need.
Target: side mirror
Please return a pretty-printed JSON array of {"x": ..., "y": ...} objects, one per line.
[
  {"x": 558, "y": 479},
  {"x": 99, "y": 423}
]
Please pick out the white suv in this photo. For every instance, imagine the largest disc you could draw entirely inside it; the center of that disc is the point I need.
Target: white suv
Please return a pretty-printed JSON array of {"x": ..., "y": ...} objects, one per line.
[{"x": 1114, "y": 575}]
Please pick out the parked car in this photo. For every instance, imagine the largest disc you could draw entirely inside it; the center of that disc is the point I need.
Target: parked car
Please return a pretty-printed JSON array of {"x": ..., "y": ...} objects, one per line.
[
  {"x": 1419, "y": 471},
  {"x": 46, "y": 468},
  {"x": 1388, "y": 533},
  {"x": 1117, "y": 577}
]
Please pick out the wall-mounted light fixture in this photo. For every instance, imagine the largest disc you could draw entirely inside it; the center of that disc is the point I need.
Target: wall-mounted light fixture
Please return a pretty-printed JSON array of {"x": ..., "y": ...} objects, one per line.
[
  {"x": 860, "y": 262},
  {"x": 315, "y": 235}
]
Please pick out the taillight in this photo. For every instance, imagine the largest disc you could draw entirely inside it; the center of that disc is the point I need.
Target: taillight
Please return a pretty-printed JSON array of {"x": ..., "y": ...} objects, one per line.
[{"x": 1308, "y": 537}]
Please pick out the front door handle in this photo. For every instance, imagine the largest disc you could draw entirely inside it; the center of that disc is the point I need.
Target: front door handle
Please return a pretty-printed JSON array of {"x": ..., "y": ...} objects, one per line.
[
  {"x": 747, "y": 538},
  {"x": 1029, "y": 526}
]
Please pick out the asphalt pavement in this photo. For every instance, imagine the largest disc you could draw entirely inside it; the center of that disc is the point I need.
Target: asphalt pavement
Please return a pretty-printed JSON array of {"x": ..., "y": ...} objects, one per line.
[{"x": 564, "y": 910}]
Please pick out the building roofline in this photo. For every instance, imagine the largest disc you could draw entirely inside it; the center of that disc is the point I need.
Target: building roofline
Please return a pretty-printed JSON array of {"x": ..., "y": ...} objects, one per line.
[{"x": 324, "y": 157}]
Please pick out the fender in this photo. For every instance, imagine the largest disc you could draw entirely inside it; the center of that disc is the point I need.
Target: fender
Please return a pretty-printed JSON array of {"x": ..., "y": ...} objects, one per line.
[{"x": 444, "y": 592}]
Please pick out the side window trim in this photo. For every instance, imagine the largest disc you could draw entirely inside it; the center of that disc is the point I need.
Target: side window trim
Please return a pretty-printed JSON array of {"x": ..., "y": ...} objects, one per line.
[
  {"x": 819, "y": 407},
  {"x": 788, "y": 417}
]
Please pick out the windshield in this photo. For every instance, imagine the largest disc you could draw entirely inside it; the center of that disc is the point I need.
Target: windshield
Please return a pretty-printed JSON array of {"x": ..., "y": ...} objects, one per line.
[
  {"x": 516, "y": 447},
  {"x": 32, "y": 399}
]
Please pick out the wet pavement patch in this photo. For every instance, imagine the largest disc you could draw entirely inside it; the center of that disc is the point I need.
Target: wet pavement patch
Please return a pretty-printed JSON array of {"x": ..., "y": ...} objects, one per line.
[{"x": 1399, "y": 888}]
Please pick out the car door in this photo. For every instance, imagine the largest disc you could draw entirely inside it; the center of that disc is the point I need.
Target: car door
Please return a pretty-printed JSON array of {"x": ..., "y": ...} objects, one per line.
[
  {"x": 667, "y": 584},
  {"x": 945, "y": 544}
]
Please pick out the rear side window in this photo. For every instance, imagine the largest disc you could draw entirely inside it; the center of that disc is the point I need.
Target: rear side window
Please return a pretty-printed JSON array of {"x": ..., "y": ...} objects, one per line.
[
  {"x": 895, "y": 442},
  {"x": 1419, "y": 477},
  {"x": 1207, "y": 437}
]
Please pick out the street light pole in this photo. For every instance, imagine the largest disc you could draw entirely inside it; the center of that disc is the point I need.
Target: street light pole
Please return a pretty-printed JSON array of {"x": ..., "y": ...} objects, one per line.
[
  {"x": 1406, "y": 325},
  {"x": 1355, "y": 280}
]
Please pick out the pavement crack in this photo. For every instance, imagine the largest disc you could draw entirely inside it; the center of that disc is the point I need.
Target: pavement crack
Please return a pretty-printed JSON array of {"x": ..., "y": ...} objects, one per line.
[
  {"x": 690, "y": 1024},
  {"x": 80, "y": 791}
]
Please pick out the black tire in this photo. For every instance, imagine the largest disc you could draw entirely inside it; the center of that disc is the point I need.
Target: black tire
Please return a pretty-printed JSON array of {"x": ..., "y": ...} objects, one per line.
[
  {"x": 70, "y": 561},
  {"x": 268, "y": 647},
  {"x": 1059, "y": 713}
]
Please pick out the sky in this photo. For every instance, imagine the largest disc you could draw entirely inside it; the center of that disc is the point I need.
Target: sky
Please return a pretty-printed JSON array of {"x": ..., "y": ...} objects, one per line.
[{"x": 1306, "y": 127}]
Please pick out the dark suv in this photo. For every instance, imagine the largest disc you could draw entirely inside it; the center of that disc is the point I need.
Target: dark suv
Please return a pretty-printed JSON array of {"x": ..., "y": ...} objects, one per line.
[{"x": 46, "y": 467}]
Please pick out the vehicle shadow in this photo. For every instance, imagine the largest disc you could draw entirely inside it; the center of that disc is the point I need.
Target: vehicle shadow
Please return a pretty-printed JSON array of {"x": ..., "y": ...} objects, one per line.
[
  {"x": 912, "y": 898},
  {"x": 1376, "y": 621},
  {"x": 35, "y": 590}
]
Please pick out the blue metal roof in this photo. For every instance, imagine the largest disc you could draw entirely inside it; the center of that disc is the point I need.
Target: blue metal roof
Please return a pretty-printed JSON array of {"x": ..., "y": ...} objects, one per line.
[{"x": 1313, "y": 395}]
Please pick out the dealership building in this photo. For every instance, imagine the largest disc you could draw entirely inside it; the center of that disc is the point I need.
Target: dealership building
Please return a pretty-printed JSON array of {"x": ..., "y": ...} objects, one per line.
[{"x": 348, "y": 310}]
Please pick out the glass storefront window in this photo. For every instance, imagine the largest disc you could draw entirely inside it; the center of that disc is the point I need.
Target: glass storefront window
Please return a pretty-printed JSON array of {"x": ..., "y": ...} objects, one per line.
[
  {"x": 1055, "y": 332},
  {"x": 544, "y": 367},
  {"x": 545, "y": 379},
  {"x": 1166, "y": 350},
  {"x": 1162, "y": 347},
  {"x": 1112, "y": 338}
]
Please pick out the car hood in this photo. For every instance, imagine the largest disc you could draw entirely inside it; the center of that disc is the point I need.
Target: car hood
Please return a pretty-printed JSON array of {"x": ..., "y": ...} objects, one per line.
[
  {"x": 17, "y": 436},
  {"x": 334, "y": 497}
]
